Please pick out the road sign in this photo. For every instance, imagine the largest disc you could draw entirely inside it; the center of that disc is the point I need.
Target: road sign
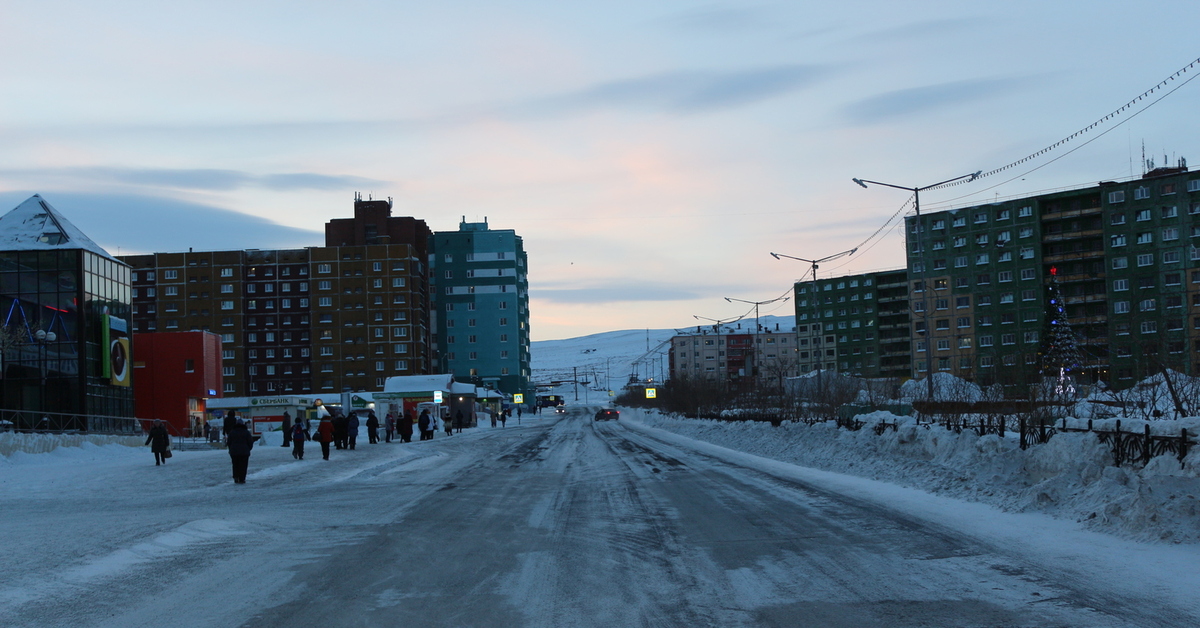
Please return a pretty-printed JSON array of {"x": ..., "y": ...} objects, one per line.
[
  {"x": 651, "y": 393},
  {"x": 518, "y": 398}
]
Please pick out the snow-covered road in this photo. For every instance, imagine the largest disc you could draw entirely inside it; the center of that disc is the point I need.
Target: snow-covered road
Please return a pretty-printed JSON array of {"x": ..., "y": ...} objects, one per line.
[{"x": 557, "y": 522}]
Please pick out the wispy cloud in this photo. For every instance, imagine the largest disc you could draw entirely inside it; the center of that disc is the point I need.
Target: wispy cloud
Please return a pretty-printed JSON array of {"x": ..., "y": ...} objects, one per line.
[
  {"x": 681, "y": 91},
  {"x": 720, "y": 18},
  {"x": 185, "y": 179},
  {"x": 915, "y": 100},
  {"x": 146, "y": 224},
  {"x": 617, "y": 292}
]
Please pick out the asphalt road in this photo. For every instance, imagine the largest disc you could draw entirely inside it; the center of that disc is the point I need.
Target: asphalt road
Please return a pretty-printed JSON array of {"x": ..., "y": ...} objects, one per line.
[{"x": 560, "y": 522}]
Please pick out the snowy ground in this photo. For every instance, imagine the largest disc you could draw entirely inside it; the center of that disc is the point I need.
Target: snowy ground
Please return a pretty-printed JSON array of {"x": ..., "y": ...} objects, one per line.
[{"x": 558, "y": 521}]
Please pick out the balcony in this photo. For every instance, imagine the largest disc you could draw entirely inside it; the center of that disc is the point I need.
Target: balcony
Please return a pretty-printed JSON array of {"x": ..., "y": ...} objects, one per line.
[{"x": 1073, "y": 235}]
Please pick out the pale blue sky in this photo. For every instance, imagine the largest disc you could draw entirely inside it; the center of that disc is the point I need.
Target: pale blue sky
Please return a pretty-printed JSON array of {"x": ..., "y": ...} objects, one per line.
[{"x": 650, "y": 154}]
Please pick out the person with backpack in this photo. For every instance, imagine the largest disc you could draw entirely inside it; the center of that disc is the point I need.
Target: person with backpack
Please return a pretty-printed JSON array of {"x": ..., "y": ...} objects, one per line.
[
  {"x": 299, "y": 435},
  {"x": 423, "y": 425}
]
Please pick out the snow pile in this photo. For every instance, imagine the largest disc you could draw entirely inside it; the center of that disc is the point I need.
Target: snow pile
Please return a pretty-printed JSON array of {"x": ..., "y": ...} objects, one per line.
[
  {"x": 946, "y": 387},
  {"x": 12, "y": 442},
  {"x": 1070, "y": 477}
]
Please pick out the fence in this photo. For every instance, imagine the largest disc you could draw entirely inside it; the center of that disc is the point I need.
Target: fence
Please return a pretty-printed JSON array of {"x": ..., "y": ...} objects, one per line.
[
  {"x": 67, "y": 423},
  {"x": 1126, "y": 447}
]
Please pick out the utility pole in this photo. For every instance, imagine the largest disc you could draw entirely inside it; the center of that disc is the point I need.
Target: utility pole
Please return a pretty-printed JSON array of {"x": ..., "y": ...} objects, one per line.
[
  {"x": 816, "y": 298},
  {"x": 757, "y": 330}
]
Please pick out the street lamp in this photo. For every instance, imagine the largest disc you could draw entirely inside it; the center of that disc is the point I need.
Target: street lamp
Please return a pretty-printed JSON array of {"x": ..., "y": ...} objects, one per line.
[
  {"x": 925, "y": 288},
  {"x": 816, "y": 300},
  {"x": 43, "y": 338},
  {"x": 757, "y": 329}
]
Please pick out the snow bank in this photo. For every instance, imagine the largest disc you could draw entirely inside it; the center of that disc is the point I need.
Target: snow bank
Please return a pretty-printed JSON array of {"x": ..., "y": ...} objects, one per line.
[
  {"x": 1070, "y": 477},
  {"x": 12, "y": 442}
]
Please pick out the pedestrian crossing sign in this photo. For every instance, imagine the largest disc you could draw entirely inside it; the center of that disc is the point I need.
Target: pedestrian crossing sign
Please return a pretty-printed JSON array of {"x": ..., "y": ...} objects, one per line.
[{"x": 651, "y": 393}]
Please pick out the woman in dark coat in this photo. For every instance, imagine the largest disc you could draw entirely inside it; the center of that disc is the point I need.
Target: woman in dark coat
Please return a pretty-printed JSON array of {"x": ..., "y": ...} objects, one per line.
[
  {"x": 406, "y": 427},
  {"x": 340, "y": 431},
  {"x": 240, "y": 443},
  {"x": 325, "y": 436},
  {"x": 372, "y": 429},
  {"x": 299, "y": 435},
  {"x": 159, "y": 440}
]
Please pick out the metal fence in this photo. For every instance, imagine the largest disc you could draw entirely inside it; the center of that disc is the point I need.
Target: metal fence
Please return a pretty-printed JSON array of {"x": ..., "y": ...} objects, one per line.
[{"x": 68, "y": 423}]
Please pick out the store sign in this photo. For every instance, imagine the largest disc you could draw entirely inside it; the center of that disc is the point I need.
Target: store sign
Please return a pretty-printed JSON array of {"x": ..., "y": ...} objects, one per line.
[
  {"x": 270, "y": 401},
  {"x": 437, "y": 396}
]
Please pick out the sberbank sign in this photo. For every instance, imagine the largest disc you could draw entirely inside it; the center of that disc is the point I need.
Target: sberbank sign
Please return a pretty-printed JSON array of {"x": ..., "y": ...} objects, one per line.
[
  {"x": 358, "y": 402},
  {"x": 278, "y": 401}
]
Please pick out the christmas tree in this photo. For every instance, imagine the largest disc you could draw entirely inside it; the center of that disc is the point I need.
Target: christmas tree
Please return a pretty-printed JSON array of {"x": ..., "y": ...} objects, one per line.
[{"x": 1060, "y": 353}]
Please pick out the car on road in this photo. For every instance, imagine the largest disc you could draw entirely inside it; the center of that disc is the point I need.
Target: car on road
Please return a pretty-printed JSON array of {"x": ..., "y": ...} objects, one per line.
[
  {"x": 608, "y": 414},
  {"x": 560, "y": 409}
]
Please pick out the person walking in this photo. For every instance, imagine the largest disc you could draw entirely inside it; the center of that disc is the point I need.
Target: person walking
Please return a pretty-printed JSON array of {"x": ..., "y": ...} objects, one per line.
[
  {"x": 325, "y": 436},
  {"x": 352, "y": 429},
  {"x": 159, "y": 441},
  {"x": 240, "y": 443},
  {"x": 518, "y": 415},
  {"x": 299, "y": 435},
  {"x": 372, "y": 429},
  {"x": 389, "y": 426},
  {"x": 230, "y": 421},
  {"x": 339, "y": 430},
  {"x": 287, "y": 429},
  {"x": 449, "y": 425},
  {"x": 406, "y": 427},
  {"x": 504, "y": 418},
  {"x": 423, "y": 424}
]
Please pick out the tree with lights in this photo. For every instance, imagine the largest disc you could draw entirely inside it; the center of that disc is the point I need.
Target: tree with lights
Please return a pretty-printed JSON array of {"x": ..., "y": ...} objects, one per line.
[{"x": 1060, "y": 351}]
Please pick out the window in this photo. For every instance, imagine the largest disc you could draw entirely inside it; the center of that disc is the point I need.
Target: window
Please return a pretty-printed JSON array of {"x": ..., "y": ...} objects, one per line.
[
  {"x": 1008, "y": 339},
  {"x": 1170, "y": 211},
  {"x": 1145, "y": 238},
  {"x": 1193, "y": 185},
  {"x": 325, "y": 301},
  {"x": 964, "y": 321},
  {"x": 1025, "y": 212},
  {"x": 960, "y": 221},
  {"x": 1118, "y": 218},
  {"x": 1028, "y": 295},
  {"x": 1142, "y": 215},
  {"x": 1173, "y": 279},
  {"x": 1028, "y": 273},
  {"x": 941, "y": 224},
  {"x": 981, "y": 258},
  {"x": 1170, "y": 233},
  {"x": 171, "y": 291},
  {"x": 1027, "y": 252},
  {"x": 1121, "y": 307},
  {"x": 1146, "y": 259},
  {"x": 1171, "y": 257},
  {"x": 1116, "y": 197},
  {"x": 1120, "y": 262},
  {"x": 1141, "y": 192},
  {"x": 324, "y": 268},
  {"x": 1005, "y": 276},
  {"x": 981, "y": 239},
  {"x": 1005, "y": 257},
  {"x": 1003, "y": 214},
  {"x": 962, "y": 302},
  {"x": 960, "y": 261},
  {"x": 939, "y": 264},
  {"x": 1149, "y": 327},
  {"x": 1006, "y": 297},
  {"x": 1147, "y": 305},
  {"x": 986, "y": 341},
  {"x": 960, "y": 241},
  {"x": 324, "y": 284},
  {"x": 1120, "y": 284},
  {"x": 397, "y": 282},
  {"x": 170, "y": 274}
]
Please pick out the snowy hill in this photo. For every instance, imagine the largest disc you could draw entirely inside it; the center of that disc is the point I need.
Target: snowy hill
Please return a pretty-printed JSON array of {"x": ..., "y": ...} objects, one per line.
[{"x": 607, "y": 360}]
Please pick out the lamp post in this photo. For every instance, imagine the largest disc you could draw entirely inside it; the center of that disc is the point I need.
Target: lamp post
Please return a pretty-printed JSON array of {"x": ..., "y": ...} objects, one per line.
[
  {"x": 816, "y": 300},
  {"x": 43, "y": 338},
  {"x": 757, "y": 328},
  {"x": 717, "y": 324},
  {"x": 925, "y": 288}
]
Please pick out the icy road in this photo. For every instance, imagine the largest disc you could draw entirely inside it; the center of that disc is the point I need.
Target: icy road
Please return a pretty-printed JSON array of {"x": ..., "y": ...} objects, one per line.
[{"x": 557, "y": 522}]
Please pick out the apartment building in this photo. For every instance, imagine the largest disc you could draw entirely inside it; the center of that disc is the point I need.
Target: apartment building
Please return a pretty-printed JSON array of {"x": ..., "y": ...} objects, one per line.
[
  {"x": 331, "y": 319},
  {"x": 737, "y": 353},
  {"x": 479, "y": 276},
  {"x": 854, "y": 324}
]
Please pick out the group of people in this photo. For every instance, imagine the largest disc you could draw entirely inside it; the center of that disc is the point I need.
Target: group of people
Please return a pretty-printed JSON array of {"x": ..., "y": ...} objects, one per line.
[{"x": 337, "y": 429}]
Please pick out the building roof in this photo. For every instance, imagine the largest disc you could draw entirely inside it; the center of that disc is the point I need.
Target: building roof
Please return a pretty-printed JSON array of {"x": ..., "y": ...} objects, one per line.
[
  {"x": 36, "y": 226},
  {"x": 409, "y": 384}
]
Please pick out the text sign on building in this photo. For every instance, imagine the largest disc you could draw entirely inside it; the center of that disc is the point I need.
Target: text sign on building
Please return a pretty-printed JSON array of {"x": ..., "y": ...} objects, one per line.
[
  {"x": 518, "y": 398},
  {"x": 651, "y": 393},
  {"x": 437, "y": 396}
]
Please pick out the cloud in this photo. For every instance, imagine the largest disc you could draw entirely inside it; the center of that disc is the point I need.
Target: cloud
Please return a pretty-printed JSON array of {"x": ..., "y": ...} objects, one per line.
[
  {"x": 915, "y": 100},
  {"x": 682, "y": 91},
  {"x": 720, "y": 19},
  {"x": 925, "y": 30},
  {"x": 131, "y": 224},
  {"x": 187, "y": 179}
]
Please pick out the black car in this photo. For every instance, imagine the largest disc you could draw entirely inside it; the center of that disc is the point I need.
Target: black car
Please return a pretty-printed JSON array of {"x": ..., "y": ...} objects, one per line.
[{"x": 605, "y": 415}]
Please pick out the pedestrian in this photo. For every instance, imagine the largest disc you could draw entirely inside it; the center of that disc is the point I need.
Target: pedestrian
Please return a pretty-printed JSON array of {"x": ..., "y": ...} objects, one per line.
[
  {"x": 287, "y": 429},
  {"x": 389, "y": 426},
  {"x": 352, "y": 429},
  {"x": 207, "y": 431},
  {"x": 449, "y": 425},
  {"x": 518, "y": 415},
  {"x": 299, "y": 435},
  {"x": 504, "y": 418},
  {"x": 325, "y": 436},
  {"x": 339, "y": 429},
  {"x": 406, "y": 427},
  {"x": 492, "y": 414},
  {"x": 230, "y": 421},
  {"x": 159, "y": 441},
  {"x": 240, "y": 443},
  {"x": 372, "y": 428},
  {"x": 423, "y": 424}
]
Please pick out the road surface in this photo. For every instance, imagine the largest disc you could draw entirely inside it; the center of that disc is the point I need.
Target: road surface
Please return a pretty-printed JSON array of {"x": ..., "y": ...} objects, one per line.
[{"x": 559, "y": 521}]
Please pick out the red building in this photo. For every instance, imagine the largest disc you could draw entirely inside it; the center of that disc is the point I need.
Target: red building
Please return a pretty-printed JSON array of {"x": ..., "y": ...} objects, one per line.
[{"x": 173, "y": 374}]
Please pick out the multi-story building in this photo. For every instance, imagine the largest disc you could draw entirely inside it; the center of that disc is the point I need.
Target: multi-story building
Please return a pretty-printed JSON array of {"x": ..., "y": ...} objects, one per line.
[
  {"x": 64, "y": 338},
  {"x": 482, "y": 314},
  {"x": 738, "y": 355},
  {"x": 330, "y": 319},
  {"x": 1121, "y": 254},
  {"x": 854, "y": 324}
]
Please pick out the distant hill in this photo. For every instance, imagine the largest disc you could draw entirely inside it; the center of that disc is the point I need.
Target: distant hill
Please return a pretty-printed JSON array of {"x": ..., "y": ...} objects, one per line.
[{"x": 607, "y": 360}]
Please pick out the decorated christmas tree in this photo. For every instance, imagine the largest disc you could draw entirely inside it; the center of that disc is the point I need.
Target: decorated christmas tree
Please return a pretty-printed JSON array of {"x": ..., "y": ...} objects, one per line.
[{"x": 1061, "y": 357}]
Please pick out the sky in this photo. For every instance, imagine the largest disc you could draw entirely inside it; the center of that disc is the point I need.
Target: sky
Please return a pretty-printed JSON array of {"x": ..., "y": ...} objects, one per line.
[{"x": 651, "y": 155}]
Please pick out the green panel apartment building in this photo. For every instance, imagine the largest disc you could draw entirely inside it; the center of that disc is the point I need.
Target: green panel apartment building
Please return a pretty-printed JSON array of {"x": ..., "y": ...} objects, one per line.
[
  {"x": 856, "y": 324},
  {"x": 479, "y": 276}
]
